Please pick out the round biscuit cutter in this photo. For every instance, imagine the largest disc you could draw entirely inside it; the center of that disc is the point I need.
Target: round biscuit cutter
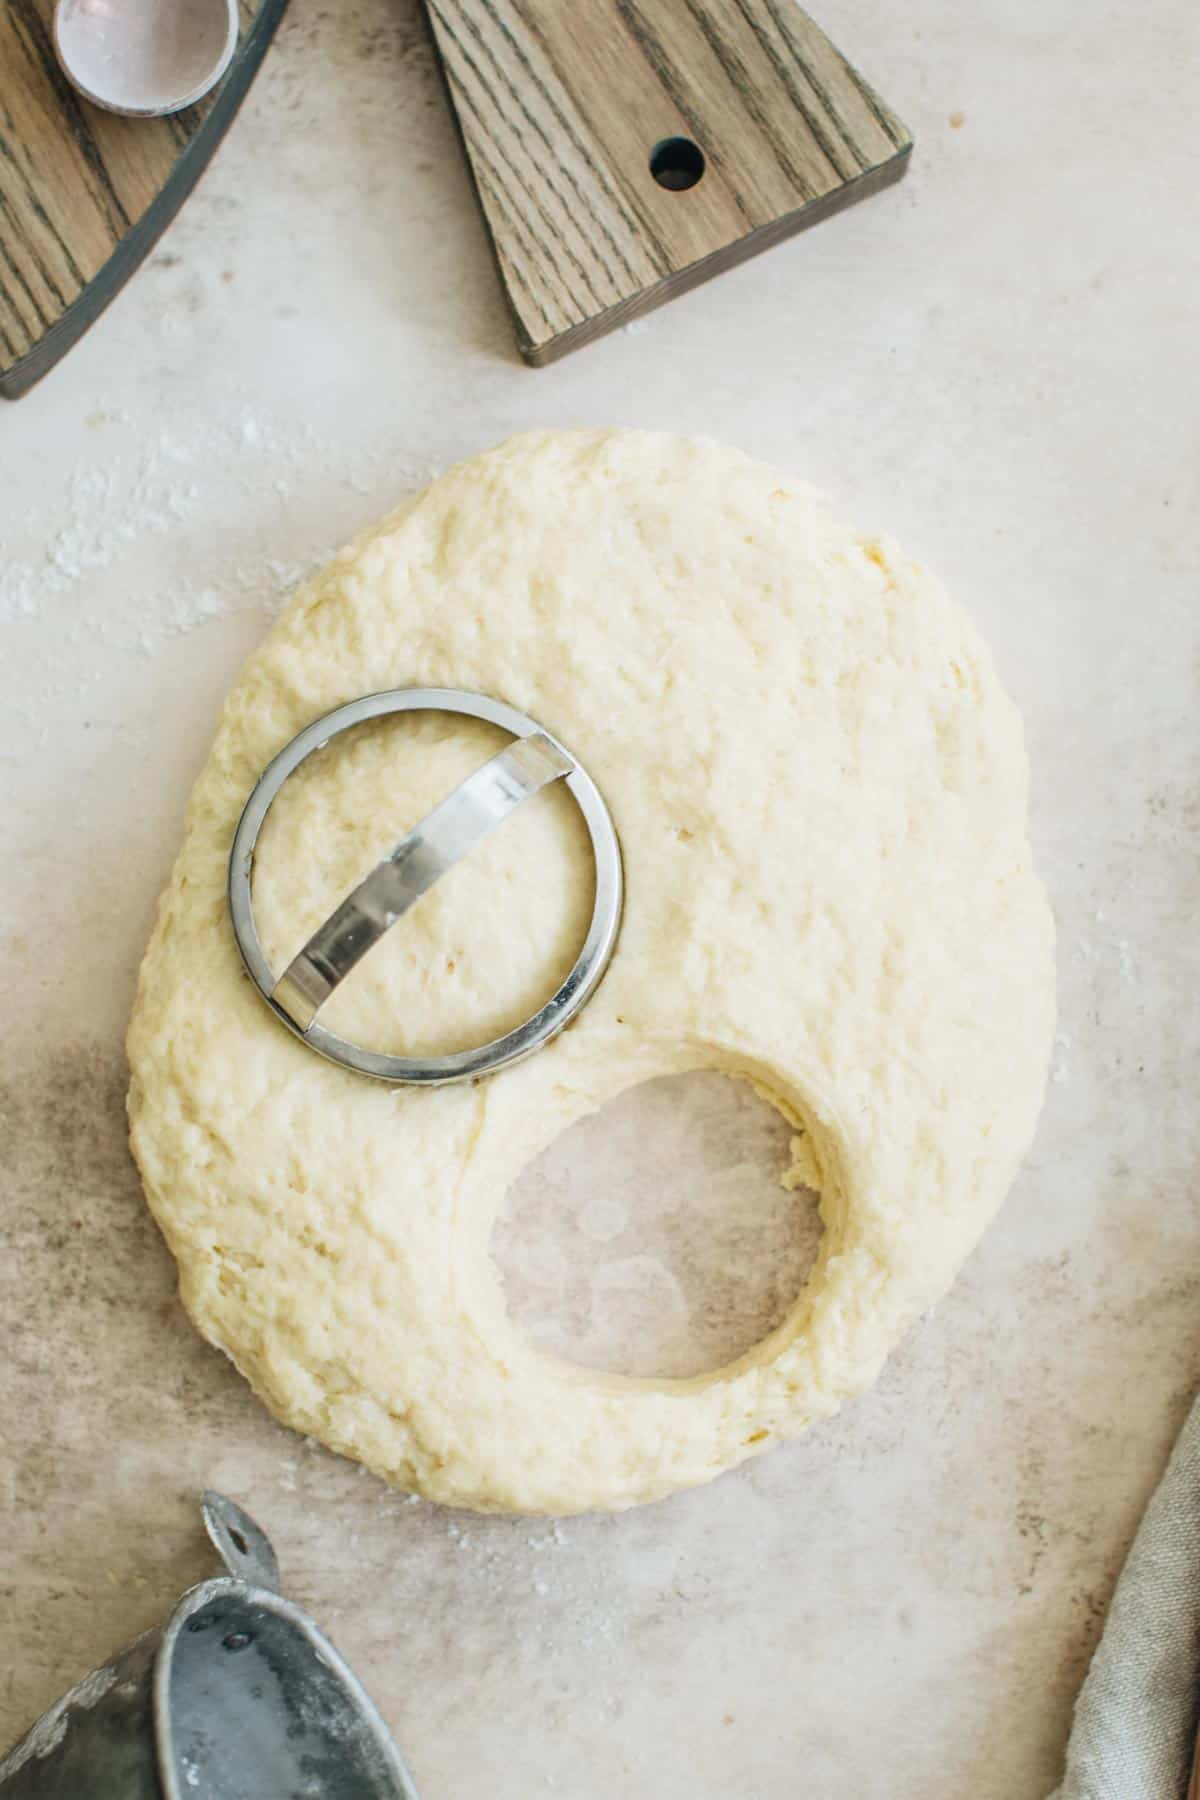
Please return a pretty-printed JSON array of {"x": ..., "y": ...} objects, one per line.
[
  {"x": 239, "y": 1696},
  {"x": 484, "y": 800}
]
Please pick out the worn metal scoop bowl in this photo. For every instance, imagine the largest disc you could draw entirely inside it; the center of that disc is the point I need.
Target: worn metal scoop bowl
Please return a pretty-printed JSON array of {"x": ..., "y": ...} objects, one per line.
[{"x": 239, "y": 1696}]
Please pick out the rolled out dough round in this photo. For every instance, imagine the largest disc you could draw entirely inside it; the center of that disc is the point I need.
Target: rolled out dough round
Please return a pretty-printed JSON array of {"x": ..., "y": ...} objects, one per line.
[{"x": 820, "y": 790}]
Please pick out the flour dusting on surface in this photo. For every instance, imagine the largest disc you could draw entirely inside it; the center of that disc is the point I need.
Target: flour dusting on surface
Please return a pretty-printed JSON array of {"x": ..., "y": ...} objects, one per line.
[{"x": 83, "y": 571}]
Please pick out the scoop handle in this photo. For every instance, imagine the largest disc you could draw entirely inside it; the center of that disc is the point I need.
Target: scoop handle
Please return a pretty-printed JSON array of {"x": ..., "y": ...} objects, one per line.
[{"x": 242, "y": 1545}]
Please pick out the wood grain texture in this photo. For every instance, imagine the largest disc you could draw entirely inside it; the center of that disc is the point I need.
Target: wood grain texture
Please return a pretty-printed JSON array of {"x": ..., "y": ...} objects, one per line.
[
  {"x": 562, "y": 102},
  {"x": 85, "y": 194}
]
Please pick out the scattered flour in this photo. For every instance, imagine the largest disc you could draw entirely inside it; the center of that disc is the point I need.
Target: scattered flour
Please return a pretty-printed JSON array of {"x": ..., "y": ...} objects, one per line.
[
  {"x": 110, "y": 507},
  {"x": 1120, "y": 947},
  {"x": 548, "y": 1571},
  {"x": 82, "y": 570}
]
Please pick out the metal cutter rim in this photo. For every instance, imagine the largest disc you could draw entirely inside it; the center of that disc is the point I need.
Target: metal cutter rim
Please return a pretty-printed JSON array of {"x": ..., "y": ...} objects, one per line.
[{"x": 533, "y": 1033}]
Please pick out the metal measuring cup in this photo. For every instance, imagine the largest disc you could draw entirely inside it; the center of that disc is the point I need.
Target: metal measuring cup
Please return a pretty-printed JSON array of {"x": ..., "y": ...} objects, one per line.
[{"x": 239, "y": 1696}]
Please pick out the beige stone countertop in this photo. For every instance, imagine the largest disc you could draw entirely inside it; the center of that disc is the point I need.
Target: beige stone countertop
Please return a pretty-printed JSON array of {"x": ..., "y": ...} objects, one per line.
[{"x": 997, "y": 361}]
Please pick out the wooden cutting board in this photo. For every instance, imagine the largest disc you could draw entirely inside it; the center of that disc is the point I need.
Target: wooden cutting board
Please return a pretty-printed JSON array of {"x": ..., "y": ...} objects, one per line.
[
  {"x": 624, "y": 150},
  {"x": 84, "y": 194}
]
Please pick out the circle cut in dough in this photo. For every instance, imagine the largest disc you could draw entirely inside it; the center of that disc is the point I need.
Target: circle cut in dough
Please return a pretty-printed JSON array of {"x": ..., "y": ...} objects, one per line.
[{"x": 820, "y": 790}]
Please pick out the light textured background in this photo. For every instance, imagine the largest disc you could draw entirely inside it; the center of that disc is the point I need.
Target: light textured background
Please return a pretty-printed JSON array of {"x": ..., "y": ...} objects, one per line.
[{"x": 997, "y": 361}]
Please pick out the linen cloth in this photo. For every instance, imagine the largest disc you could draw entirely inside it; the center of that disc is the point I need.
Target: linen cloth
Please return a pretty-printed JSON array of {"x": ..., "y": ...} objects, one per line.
[{"x": 1136, "y": 1716}]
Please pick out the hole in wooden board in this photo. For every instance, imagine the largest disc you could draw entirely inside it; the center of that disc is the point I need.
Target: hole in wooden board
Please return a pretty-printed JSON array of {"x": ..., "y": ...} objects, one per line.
[
  {"x": 677, "y": 163},
  {"x": 655, "y": 1238}
]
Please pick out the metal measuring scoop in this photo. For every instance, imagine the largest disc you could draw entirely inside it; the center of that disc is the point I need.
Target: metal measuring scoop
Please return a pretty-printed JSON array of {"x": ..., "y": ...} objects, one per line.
[
  {"x": 238, "y": 1696},
  {"x": 145, "y": 57}
]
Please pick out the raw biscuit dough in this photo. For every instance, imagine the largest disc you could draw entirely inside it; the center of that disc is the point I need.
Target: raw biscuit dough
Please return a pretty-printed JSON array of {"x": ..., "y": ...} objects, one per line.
[{"x": 820, "y": 789}]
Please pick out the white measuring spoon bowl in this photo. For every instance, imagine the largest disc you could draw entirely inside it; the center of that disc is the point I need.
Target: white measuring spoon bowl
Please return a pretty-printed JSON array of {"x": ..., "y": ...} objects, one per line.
[{"x": 144, "y": 58}]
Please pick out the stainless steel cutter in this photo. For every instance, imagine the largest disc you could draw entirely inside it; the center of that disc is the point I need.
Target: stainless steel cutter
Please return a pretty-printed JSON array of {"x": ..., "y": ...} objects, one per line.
[{"x": 484, "y": 800}]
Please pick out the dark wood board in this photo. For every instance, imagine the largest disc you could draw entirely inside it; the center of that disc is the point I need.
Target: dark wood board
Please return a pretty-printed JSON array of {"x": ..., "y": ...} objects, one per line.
[
  {"x": 84, "y": 194},
  {"x": 563, "y": 104}
]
